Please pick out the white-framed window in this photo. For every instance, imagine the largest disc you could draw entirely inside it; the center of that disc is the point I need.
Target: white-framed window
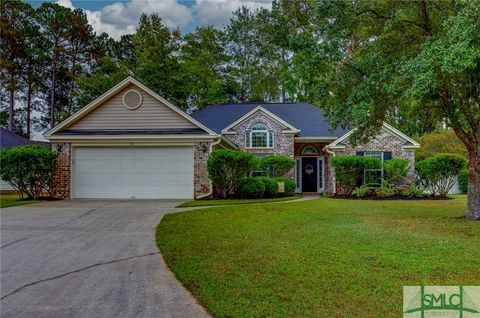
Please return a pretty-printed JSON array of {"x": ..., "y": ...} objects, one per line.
[
  {"x": 298, "y": 174},
  {"x": 309, "y": 150},
  {"x": 259, "y": 137},
  {"x": 374, "y": 177}
]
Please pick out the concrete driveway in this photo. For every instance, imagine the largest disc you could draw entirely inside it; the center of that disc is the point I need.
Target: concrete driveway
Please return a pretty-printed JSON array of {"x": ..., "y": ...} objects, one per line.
[{"x": 88, "y": 258}]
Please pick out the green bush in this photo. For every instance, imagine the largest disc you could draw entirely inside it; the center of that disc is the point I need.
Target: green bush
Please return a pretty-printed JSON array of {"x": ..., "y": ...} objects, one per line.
[
  {"x": 463, "y": 181},
  {"x": 349, "y": 170},
  {"x": 289, "y": 186},
  {"x": 412, "y": 191},
  {"x": 395, "y": 171},
  {"x": 271, "y": 187},
  {"x": 439, "y": 173},
  {"x": 252, "y": 188},
  {"x": 228, "y": 169},
  {"x": 385, "y": 191},
  {"x": 29, "y": 169},
  {"x": 276, "y": 166},
  {"x": 361, "y": 191}
]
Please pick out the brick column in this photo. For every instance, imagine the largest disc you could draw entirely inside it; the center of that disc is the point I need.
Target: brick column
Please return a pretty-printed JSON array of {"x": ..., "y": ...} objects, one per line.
[
  {"x": 201, "y": 183},
  {"x": 62, "y": 178}
]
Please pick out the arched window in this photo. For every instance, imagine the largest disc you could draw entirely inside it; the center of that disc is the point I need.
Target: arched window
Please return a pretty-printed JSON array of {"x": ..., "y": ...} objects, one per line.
[
  {"x": 309, "y": 150},
  {"x": 259, "y": 137}
]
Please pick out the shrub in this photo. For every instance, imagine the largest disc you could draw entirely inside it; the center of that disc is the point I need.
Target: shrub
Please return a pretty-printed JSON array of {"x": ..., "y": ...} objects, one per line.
[
  {"x": 361, "y": 191},
  {"x": 228, "y": 169},
  {"x": 438, "y": 174},
  {"x": 349, "y": 170},
  {"x": 385, "y": 191},
  {"x": 289, "y": 186},
  {"x": 463, "y": 181},
  {"x": 252, "y": 188},
  {"x": 440, "y": 142},
  {"x": 271, "y": 187},
  {"x": 276, "y": 166},
  {"x": 412, "y": 191},
  {"x": 395, "y": 171},
  {"x": 29, "y": 169}
]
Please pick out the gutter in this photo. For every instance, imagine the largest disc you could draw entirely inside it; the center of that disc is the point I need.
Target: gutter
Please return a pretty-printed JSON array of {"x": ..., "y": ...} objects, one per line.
[{"x": 210, "y": 192}]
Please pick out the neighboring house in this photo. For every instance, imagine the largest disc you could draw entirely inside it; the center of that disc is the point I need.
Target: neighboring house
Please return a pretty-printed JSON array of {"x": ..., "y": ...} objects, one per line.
[
  {"x": 131, "y": 143},
  {"x": 10, "y": 139}
]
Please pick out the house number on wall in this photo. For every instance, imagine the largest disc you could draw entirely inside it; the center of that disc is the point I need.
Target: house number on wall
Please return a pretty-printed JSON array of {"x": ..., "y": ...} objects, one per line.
[{"x": 309, "y": 169}]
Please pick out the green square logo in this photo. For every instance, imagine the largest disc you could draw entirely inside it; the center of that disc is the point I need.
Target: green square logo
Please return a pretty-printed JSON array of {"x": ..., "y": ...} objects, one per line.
[{"x": 441, "y": 301}]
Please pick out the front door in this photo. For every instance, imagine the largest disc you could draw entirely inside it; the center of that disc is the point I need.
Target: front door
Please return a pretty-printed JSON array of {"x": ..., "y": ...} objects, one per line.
[{"x": 309, "y": 174}]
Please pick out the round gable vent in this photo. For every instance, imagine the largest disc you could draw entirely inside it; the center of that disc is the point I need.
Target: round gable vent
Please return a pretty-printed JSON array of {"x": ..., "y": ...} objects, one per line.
[{"x": 132, "y": 99}]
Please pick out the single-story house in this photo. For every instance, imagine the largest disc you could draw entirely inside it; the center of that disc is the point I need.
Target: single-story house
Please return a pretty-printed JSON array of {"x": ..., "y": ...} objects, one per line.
[
  {"x": 132, "y": 143},
  {"x": 11, "y": 139}
]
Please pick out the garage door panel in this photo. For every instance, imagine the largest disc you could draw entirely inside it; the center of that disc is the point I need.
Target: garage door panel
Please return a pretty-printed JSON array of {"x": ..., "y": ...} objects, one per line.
[{"x": 126, "y": 172}]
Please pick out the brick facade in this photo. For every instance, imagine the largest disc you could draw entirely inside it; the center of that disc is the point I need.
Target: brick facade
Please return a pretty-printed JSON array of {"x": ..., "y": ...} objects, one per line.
[
  {"x": 62, "y": 178},
  {"x": 201, "y": 183}
]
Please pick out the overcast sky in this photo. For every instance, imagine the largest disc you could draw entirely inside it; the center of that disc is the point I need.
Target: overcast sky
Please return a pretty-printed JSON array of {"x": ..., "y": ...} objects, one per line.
[{"x": 121, "y": 17}]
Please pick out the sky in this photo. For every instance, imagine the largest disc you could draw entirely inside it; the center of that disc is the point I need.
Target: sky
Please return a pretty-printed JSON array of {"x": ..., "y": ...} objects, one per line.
[{"x": 119, "y": 17}]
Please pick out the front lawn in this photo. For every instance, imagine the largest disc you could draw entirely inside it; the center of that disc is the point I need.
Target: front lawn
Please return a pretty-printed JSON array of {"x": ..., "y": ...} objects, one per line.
[
  {"x": 12, "y": 199},
  {"x": 236, "y": 201},
  {"x": 319, "y": 258}
]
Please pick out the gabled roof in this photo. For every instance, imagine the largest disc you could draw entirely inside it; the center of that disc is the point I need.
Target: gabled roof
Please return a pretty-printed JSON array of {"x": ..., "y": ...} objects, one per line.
[
  {"x": 409, "y": 142},
  {"x": 111, "y": 92},
  {"x": 263, "y": 110},
  {"x": 11, "y": 139},
  {"x": 309, "y": 119}
]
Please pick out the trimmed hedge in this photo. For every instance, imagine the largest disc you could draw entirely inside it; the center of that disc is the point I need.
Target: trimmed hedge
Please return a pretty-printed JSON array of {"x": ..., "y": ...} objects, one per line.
[
  {"x": 289, "y": 186},
  {"x": 29, "y": 169},
  {"x": 228, "y": 170},
  {"x": 349, "y": 170},
  {"x": 271, "y": 187},
  {"x": 276, "y": 166},
  {"x": 252, "y": 188},
  {"x": 395, "y": 171},
  {"x": 439, "y": 173}
]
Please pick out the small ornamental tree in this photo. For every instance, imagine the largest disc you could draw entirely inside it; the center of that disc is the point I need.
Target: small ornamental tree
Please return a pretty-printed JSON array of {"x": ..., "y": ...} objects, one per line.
[
  {"x": 228, "y": 169},
  {"x": 439, "y": 173},
  {"x": 395, "y": 171},
  {"x": 276, "y": 166},
  {"x": 349, "y": 170},
  {"x": 29, "y": 169}
]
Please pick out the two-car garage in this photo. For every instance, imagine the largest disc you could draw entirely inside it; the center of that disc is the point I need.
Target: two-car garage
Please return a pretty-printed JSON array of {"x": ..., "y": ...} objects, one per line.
[{"x": 132, "y": 172}]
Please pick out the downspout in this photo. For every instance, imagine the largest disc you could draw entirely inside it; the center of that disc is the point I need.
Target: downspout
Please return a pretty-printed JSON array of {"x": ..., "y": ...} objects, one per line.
[
  {"x": 210, "y": 192},
  {"x": 333, "y": 175}
]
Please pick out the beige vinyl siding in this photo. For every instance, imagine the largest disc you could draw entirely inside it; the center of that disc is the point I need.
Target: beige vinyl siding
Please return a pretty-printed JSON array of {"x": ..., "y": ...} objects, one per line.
[{"x": 112, "y": 114}]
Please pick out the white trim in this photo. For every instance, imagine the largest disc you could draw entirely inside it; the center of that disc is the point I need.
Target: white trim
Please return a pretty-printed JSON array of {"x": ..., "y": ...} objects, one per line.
[
  {"x": 389, "y": 128},
  {"x": 299, "y": 187},
  {"x": 97, "y": 102},
  {"x": 321, "y": 189},
  {"x": 313, "y": 139},
  {"x": 253, "y": 111},
  {"x": 133, "y": 137}
]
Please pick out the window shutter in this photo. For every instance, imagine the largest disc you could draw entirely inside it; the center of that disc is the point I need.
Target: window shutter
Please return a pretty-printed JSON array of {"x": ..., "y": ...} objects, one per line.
[
  {"x": 387, "y": 155},
  {"x": 360, "y": 153},
  {"x": 247, "y": 139}
]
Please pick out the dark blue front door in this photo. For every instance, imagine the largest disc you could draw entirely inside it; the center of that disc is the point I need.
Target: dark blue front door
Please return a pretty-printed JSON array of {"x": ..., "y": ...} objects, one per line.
[{"x": 309, "y": 174}]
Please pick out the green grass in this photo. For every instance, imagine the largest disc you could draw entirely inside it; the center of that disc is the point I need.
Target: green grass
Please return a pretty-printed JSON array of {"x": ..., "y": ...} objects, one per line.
[
  {"x": 235, "y": 201},
  {"x": 319, "y": 258},
  {"x": 12, "y": 199}
]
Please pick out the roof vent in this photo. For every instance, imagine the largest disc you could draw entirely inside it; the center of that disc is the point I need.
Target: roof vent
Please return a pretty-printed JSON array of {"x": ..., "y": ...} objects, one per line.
[{"x": 132, "y": 99}]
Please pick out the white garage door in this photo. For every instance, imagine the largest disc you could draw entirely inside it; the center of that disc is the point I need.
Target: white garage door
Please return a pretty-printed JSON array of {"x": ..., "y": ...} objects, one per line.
[{"x": 133, "y": 172}]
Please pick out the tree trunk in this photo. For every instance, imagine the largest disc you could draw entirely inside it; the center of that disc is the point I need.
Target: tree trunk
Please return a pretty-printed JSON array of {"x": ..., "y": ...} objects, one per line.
[
  {"x": 29, "y": 108},
  {"x": 52, "y": 96},
  {"x": 473, "y": 195},
  {"x": 10, "y": 109}
]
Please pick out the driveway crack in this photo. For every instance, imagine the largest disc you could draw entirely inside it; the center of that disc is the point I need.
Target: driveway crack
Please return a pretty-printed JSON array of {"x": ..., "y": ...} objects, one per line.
[
  {"x": 76, "y": 271},
  {"x": 22, "y": 239}
]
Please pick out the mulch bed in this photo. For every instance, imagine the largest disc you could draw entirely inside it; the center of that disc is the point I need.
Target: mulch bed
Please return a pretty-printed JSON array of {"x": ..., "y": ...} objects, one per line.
[{"x": 395, "y": 197}]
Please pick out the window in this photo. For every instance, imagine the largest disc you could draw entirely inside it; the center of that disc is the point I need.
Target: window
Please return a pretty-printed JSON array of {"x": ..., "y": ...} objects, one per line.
[
  {"x": 309, "y": 150},
  {"x": 259, "y": 137},
  {"x": 373, "y": 177}
]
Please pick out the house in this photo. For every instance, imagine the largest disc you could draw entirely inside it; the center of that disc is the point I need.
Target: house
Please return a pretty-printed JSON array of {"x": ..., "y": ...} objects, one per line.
[
  {"x": 11, "y": 139},
  {"x": 132, "y": 143}
]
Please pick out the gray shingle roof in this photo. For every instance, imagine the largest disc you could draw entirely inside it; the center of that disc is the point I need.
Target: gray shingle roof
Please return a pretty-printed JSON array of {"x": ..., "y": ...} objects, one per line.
[
  {"x": 10, "y": 139},
  {"x": 308, "y": 118}
]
